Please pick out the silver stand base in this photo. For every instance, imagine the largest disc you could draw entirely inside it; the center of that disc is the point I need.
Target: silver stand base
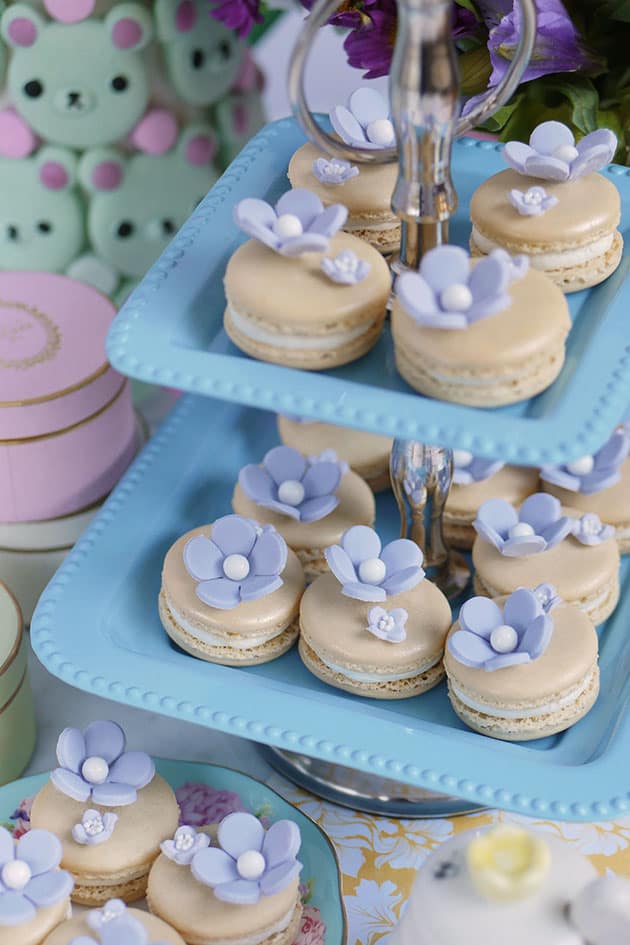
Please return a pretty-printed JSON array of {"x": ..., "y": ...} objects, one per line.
[{"x": 363, "y": 792}]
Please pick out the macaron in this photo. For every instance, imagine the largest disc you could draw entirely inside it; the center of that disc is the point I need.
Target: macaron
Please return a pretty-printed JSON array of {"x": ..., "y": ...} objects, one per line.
[
  {"x": 552, "y": 206},
  {"x": 231, "y": 592},
  {"x": 367, "y": 454},
  {"x": 475, "y": 480},
  {"x": 114, "y": 924},
  {"x": 522, "y": 667},
  {"x": 311, "y": 502},
  {"x": 375, "y": 626},
  {"x": 300, "y": 293},
  {"x": 598, "y": 483},
  {"x": 541, "y": 542},
  {"x": 109, "y": 809},
  {"x": 484, "y": 334},
  {"x": 34, "y": 892},
  {"x": 242, "y": 891}
]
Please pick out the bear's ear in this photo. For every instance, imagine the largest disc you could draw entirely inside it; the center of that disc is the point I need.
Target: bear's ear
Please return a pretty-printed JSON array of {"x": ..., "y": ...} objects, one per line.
[
  {"x": 198, "y": 145},
  {"x": 175, "y": 18},
  {"x": 101, "y": 170},
  {"x": 130, "y": 26},
  {"x": 57, "y": 168},
  {"x": 21, "y": 26}
]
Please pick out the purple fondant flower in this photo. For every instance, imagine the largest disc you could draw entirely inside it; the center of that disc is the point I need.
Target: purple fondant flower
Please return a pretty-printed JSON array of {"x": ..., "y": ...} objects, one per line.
[
  {"x": 590, "y": 474},
  {"x": 532, "y": 202},
  {"x": 346, "y": 268},
  {"x": 552, "y": 153},
  {"x": 468, "y": 468},
  {"x": 94, "y": 828},
  {"x": 292, "y": 485},
  {"x": 369, "y": 572},
  {"x": 30, "y": 878},
  {"x": 590, "y": 530},
  {"x": 547, "y": 596},
  {"x": 491, "y": 638},
  {"x": 113, "y": 910},
  {"x": 94, "y": 764},
  {"x": 200, "y": 804},
  {"x": 333, "y": 170},
  {"x": 447, "y": 293},
  {"x": 250, "y": 862},
  {"x": 365, "y": 122},
  {"x": 238, "y": 15},
  {"x": 114, "y": 925},
  {"x": 388, "y": 625},
  {"x": 241, "y": 561},
  {"x": 184, "y": 845},
  {"x": 538, "y": 525},
  {"x": 298, "y": 224}
]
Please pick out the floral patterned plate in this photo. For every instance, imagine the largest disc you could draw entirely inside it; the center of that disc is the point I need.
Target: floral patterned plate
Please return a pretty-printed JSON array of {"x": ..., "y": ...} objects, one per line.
[{"x": 206, "y": 794}]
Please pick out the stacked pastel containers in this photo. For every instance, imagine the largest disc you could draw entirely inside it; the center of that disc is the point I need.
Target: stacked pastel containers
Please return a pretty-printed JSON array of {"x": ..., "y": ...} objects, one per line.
[{"x": 17, "y": 716}]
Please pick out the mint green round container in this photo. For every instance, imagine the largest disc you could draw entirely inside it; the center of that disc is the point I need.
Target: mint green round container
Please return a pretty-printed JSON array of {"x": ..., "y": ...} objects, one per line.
[{"x": 17, "y": 714}]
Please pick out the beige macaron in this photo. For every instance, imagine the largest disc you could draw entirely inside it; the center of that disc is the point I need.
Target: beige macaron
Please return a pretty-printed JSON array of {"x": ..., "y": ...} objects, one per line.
[
  {"x": 534, "y": 699},
  {"x": 249, "y": 632},
  {"x": 287, "y": 311},
  {"x": 576, "y": 242},
  {"x": 36, "y": 930},
  {"x": 367, "y": 196},
  {"x": 84, "y": 925}
]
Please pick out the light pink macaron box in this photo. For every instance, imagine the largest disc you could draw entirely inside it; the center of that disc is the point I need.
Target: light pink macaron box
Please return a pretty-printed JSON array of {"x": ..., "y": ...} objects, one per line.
[{"x": 67, "y": 427}]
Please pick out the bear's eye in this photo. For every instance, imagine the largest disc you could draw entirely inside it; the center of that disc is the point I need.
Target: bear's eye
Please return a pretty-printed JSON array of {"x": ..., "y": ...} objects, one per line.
[
  {"x": 120, "y": 83},
  {"x": 225, "y": 49},
  {"x": 44, "y": 227},
  {"x": 168, "y": 226},
  {"x": 198, "y": 58},
  {"x": 33, "y": 89},
  {"x": 13, "y": 234},
  {"x": 125, "y": 229}
]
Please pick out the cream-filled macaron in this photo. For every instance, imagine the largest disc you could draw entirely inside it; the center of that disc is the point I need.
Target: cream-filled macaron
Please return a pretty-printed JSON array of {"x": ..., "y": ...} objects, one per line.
[
  {"x": 599, "y": 483},
  {"x": 231, "y": 592},
  {"x": 483, "y": 334},
  {"x": 475, "y": 480},
  {"x": 243, "y": 891},
  {"x": 376, "y": 626},
  {"x": 522, "y": 667},
  {"x": 110, "y": 811},
  {"x": 34, "y": 891},
  {"x": 300, "y": 293},
  {"x": 552, "y": 206},
  {"x": 367, "y": 454},
  {"x": 311, "y": 502},
  {"x": 545, "y": 542},
  {"x": 114, "y": 924}
]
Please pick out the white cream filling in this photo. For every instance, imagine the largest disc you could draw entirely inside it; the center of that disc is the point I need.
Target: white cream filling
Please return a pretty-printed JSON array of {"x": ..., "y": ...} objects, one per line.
[
  {"x": 563, "y": 259},
  {"x": 522, "y": 713},
  {"x": 257, "y": 937},
  {"x": 234, "y": 641},
  {"x": 378, "y": 677},
  {"x": 327, "y": 342}
]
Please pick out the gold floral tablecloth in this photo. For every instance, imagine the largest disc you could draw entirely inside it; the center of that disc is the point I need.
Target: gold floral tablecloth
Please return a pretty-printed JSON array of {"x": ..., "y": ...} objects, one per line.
[{"x": 379, "y": 857}]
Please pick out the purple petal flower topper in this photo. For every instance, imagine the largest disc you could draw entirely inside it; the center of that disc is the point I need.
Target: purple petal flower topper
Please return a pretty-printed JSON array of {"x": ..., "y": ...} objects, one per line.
[
  {"x": 184, "y": 845},
  {"x": 298, "y": 223},
  {"x": 334, "y": 171},
  {"x": 449, "y": 294},
  {"x": 114, "y": 925},
  {"x": 490, "y": 638},
  {"x": 388, "y": 625},
  {"x": 95, "y": 828},
  {"x": 468, "y": 468},
  {"x": 533, "y": 202},
  {"x": 94, "y": 764},
  {"x": 538, "y": 525},
  {"x": 30, "y": 878},
  {"x": 590, "y": 530},
  {"x": 552, "y": 153},
  {"x": 240, "y": 561},
  {"x": 250, "y": 861},
  {"x": 292, "y": 485},
  {"x": 346, "y": 268},
  {"x": 369, "y": 572},
  {"x": 365, "y": 122},
  {"x": 591, "y": 474}
]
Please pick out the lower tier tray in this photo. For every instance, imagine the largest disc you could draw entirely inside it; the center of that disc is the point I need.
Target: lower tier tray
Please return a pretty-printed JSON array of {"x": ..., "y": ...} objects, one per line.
[{"x": 97, "y": 628}]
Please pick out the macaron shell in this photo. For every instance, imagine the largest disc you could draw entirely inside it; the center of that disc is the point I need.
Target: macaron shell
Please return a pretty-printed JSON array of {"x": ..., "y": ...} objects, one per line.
[
  {"x": 512, "y": 483},
  {"x": 35, "y": 931},
  {"x": 78, "y": 925}
]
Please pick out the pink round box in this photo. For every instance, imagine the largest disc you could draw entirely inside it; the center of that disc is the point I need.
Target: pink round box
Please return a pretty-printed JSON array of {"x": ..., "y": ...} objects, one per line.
[{"x": 67, "y": 427}]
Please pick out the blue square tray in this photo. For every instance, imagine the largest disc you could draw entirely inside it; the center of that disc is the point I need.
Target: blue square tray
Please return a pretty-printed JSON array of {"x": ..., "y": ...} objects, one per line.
[
  {"x": 97, "y": 628},
  {"x": 171, "y": 332}
]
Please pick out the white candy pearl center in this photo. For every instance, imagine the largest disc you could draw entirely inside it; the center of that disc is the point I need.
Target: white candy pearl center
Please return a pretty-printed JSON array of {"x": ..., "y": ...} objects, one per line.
[
  {"x": 291, "y": 492},
  {"x": 533, "y": 197},
  {"x": 386, "y": 623},
  {"x": 380, "y": 131},
  {"x": 184, "y": 842},
  {"x": 95, "y": 770},
  {"x": 288, "y": 225},
  {"x": 566, "y": 152},
  {"x": 251, "y": 864},
  {"x": 372, "y": 571},
  {"x": 521, "y": 530},
  {"x": 456, "y": 298},
  {"x": 462, "y": 458},
  {"x": 16, "y": 874},
  {"x": 503, "y": 639},
  {"x": 94, "y": 827},
  {"x": 236, "y": 567},
  {"x": 581, "y": 466}
]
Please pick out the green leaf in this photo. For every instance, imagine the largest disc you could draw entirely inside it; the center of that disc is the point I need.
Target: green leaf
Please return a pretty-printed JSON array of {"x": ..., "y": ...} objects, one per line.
[
  {"x": 581, "y": 94},
  {"x": 469, "y": 5},
  {"x": 474, "y": 70},
  {"x": 498, "y": 121}
]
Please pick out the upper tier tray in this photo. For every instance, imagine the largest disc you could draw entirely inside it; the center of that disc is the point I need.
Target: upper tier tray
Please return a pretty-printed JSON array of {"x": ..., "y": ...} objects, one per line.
[
  {"x": 97, "y": 628},
  {"x": 171, "y": 332}
]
